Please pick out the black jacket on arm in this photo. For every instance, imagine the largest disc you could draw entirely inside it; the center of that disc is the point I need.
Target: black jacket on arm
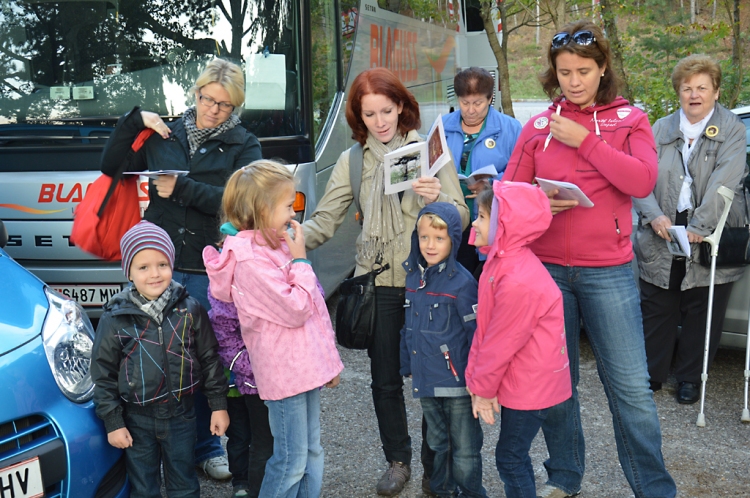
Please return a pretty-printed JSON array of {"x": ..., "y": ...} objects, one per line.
[{"x": 191, "y": 214}]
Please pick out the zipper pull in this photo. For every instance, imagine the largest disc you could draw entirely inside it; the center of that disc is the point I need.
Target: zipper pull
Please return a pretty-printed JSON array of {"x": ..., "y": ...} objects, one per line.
[
  {"x": 617, "y": 225},
  {"x": 161, "y": 337}
]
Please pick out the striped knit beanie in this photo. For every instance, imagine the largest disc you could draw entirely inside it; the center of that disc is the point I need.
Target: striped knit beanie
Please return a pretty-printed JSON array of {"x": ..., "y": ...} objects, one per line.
[{"x": 145, "y": 235}]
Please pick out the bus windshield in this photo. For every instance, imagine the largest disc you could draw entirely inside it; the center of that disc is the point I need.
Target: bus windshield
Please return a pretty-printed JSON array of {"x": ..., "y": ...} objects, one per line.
[{"x": 92, "y": 60}]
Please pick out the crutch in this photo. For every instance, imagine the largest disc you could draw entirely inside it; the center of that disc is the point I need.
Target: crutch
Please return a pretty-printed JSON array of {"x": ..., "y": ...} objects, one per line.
[
  {"x": 713, "y": 241},
  {"x": 745, "y": 412}
]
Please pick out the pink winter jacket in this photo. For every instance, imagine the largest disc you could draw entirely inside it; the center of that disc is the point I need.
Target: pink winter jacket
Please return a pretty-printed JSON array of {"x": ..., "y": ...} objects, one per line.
[
  {"x": 283, "y": 317},
  {"x": 519, "y": 352},
  {"x": 609, "y": 168}
]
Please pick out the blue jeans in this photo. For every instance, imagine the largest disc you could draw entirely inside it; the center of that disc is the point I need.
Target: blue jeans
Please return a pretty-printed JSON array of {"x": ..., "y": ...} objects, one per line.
[
  {"x": 518, "y": 428},
  {"x": 456, "y": 438},
  {"x": 208, "y": 445},
  {"x": 169, "y": 440},
  {"x": 607, "y": 301},
  {"x": 296, "y": 467}
]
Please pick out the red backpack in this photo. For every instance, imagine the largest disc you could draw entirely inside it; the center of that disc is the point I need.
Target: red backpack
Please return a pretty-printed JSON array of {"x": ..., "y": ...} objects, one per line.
[{"x": 108, "y": 210}]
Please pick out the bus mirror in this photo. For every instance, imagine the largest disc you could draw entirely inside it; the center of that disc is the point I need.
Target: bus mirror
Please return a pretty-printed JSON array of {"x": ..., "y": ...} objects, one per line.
[{"x": 265, "y": 82}]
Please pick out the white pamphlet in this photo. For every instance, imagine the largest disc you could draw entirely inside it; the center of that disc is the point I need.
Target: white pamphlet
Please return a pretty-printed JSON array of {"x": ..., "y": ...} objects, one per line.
[
  {"x": 679, "y": 245},
  {"x": 566, "y": 191},
  {"x": 488, "y": 171},
  {"x": 154, "y": 174}
]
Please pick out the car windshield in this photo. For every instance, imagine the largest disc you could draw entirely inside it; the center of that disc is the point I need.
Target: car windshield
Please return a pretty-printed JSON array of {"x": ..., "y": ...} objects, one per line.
[{"x": 90, "y": 60}]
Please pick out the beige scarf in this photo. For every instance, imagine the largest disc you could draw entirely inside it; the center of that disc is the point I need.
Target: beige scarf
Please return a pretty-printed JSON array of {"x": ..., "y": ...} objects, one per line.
[{"x": 383, "y": 221}]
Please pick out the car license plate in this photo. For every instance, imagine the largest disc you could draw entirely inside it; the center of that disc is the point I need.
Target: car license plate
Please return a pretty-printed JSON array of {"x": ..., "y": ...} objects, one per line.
[
  {"x": 22, "y": 480},
  {"x": 88, "y": 295}
]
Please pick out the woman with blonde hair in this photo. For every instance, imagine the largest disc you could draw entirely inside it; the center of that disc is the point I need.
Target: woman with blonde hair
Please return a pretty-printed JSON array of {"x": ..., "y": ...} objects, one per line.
[{"x": 209, "y": 143}]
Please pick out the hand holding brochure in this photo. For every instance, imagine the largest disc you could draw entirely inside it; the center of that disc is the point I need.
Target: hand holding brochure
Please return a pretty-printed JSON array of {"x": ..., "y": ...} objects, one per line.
[
  {"x": 679, "y": 245},
  {"x": 566, "y": 191},
  {"x": 412, "y": 161},
  {"x": 154, "y": 174},
  {"x": 488, "y": 171}
]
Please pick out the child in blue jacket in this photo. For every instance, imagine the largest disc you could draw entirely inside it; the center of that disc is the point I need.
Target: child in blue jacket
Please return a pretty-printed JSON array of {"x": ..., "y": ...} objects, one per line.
[{"x": 435, "y": 342}]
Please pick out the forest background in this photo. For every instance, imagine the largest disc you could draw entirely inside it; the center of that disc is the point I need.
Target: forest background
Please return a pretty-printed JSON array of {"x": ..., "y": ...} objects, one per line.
[{"x": 648, "y": 37}]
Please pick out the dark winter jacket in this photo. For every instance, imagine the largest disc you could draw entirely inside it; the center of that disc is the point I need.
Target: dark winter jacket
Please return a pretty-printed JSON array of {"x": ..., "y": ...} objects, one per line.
[
  {"x": 191, "y": 214},
  {"x": 154, "y": 368},
  {"x": 439, "y": 312}
]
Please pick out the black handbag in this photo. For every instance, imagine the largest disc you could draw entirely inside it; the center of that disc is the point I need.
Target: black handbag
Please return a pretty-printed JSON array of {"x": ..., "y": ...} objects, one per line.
[
  {"x": 734, "y": 245},
  {"x": 355, "y": 314}
]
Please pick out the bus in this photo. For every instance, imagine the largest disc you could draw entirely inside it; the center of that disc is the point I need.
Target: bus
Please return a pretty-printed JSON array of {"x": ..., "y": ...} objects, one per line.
[{"x": 70, "y": 68}]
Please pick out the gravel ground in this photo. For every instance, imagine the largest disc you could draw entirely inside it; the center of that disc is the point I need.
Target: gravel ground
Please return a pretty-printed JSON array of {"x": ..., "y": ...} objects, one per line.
[{"x": 705, "y": 462}]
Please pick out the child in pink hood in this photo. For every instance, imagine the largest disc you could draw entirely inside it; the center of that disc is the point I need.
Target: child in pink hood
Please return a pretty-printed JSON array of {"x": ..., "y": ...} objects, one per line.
[
  {"x": 283, "y": 318},
  {"x": 518, "y": 358}
]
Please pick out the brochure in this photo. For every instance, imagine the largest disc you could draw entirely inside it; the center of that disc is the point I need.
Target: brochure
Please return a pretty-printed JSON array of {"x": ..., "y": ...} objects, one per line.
[
  {"x": 154, "y": 174},
  {"x": 679, "y": 245},
  {"x": 567, "y": 191},
  {"x": 488, "y": 171},
  {"x": 406, "y": 164}
]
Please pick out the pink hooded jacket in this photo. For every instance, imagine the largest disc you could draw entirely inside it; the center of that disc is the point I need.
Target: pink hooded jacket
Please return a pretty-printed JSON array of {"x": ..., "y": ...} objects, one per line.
[
  {"x": 519, "y": 352},
  {"x": 283, "y": 316}
]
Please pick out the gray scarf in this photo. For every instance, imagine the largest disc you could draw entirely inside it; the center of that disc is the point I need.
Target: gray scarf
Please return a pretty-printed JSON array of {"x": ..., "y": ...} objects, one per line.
[
  {"x": 196, "y": 136},
  {"x": 155, "y": 308},
  {"x": 383, "y": 225}
]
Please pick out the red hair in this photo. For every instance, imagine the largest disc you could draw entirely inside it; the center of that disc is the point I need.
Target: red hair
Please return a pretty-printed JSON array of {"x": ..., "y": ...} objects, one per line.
[{"x": 380, "y": 81}]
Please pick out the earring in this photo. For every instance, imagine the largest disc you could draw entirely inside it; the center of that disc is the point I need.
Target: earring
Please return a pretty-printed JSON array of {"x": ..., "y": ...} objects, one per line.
[{"x": 602, "y": 76}]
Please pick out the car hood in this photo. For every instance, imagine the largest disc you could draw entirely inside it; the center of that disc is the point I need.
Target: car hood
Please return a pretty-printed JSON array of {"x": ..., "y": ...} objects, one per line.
[{"x": 23, "y": 304}]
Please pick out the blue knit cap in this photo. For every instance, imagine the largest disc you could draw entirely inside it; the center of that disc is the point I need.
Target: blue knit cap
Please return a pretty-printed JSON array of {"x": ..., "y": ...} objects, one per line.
[{"x": 145, "y": 235}]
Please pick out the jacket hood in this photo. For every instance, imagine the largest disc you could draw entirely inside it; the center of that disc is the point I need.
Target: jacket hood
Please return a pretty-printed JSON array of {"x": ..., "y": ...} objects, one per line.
[
  {"x": 522, "y": 214},
  {"x": 220, "y": 265},
  {"x": 449, "y": 214},
  {"x": 567, "y": 105}
]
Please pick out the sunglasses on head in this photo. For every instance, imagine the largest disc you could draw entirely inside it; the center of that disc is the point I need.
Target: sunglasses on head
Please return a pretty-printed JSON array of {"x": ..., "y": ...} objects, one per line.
[{"x": 583, "y": 38}]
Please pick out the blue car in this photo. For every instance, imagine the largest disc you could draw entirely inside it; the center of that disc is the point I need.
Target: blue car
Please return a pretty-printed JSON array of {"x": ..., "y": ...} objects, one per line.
[{"x": 51, "y": 442}]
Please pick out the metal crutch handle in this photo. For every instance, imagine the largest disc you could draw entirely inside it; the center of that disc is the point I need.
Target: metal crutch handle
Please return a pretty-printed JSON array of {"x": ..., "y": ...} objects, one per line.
[{"x": 713, "y": 241}]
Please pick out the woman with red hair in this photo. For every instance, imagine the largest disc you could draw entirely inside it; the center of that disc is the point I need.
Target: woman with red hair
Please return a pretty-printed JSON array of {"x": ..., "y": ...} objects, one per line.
[{"x": 383, "y": 116}]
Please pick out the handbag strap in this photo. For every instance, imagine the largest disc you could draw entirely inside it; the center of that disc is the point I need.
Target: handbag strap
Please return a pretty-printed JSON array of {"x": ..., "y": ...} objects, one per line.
[
  {"x": 356, "y": 157},
  {"x": 140, "y": 139}
]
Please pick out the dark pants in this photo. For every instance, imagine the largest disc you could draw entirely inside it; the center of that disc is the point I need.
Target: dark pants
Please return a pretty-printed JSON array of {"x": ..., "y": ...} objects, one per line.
[
  {"x": 167, "y": 440},
  {"x": 664, "y": 310},
  {"x": 249, "y": 441},
  {"x": 467, "y": 253},
  {"x": 518, "y": 428},
  {"x": 387, "y": 384}
]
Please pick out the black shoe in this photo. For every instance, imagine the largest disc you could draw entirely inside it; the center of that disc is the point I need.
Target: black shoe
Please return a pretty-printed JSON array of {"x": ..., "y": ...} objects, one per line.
[
  {"x": 688, "y": 393},
  {"x": 426, "y": 491},
  {"x": 654, "y": 386},
  {"x": 394, "y": 479}
]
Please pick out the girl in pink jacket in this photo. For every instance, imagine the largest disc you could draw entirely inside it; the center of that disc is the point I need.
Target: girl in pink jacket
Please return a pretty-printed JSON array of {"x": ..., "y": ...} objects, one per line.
[
  {"x": 518, "y": 359},
  {"x": 283, "y": 317}
]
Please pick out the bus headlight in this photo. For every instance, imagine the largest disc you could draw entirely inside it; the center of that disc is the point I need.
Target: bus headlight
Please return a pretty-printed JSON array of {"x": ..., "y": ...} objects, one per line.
[{"x": 68, "y": 338}]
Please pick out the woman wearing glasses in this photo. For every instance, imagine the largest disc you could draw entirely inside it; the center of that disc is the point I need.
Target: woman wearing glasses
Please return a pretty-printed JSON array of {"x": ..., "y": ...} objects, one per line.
[
  {"x": 701, "y": 147},
  {"x": 591, "y": 137},
  {"x": 209, "y": 144}
]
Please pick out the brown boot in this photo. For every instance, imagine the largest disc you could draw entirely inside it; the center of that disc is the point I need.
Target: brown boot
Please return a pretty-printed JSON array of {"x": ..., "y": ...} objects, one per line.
[{"x": 394, "y": 479}]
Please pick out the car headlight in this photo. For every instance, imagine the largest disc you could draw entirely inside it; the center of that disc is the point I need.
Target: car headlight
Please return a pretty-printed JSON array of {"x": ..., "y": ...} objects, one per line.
[{"x": 68, "y": 338}]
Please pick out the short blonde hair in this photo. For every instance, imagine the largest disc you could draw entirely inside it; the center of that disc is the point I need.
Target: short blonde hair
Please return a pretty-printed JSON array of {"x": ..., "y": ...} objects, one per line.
[
  {"x": 693, "y": 65},
  {"x": 228, "y": 75},
  {"x": 435, "y": 221},
  {"x": 252, "y": 193}
]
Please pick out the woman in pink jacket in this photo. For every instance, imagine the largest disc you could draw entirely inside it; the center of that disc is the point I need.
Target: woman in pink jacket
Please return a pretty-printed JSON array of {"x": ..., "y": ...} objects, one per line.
[
  {"x": 518, "y": 358},
  {"x": 283, "y": 317},
  {"x": 594, "y": 139}
]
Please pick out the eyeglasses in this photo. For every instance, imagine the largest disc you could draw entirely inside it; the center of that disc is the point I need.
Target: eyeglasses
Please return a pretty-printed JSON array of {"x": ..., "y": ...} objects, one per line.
[
  {"x": 209, "y": 102},
  {"x": 583, "y": 38}
]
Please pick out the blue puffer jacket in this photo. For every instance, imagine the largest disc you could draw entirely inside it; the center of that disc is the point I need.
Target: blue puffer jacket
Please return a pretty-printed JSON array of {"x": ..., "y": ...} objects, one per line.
[
  {"x": 502, "y": 129},
  {"x": 439, "y": 312}
]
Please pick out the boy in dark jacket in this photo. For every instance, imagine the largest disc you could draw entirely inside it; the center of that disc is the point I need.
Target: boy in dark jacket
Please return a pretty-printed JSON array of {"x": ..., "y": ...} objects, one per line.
[
  {"x": 154, "y": 348},
  {"x": 435, "y": 342}
]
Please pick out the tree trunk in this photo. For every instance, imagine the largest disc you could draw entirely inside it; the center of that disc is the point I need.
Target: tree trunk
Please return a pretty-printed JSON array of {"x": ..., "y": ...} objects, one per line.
[
  {"x": 610, "y": 26},
  {"x": 736, "y": 53},
  {"x": 500, "y": 51}
]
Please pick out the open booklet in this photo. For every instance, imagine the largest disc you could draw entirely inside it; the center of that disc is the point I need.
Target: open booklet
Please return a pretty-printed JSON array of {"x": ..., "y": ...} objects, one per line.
[
  {"x": 406, "y": 164},
  {"x": 488, "y": 171},
  {"x": 566, "y": 191},
  {"x": 679, "y": 245}
]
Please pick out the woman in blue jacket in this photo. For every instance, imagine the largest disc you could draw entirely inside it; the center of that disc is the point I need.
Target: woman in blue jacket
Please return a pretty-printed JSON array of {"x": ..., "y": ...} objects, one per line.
[{"x": 478, "y": 136}]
